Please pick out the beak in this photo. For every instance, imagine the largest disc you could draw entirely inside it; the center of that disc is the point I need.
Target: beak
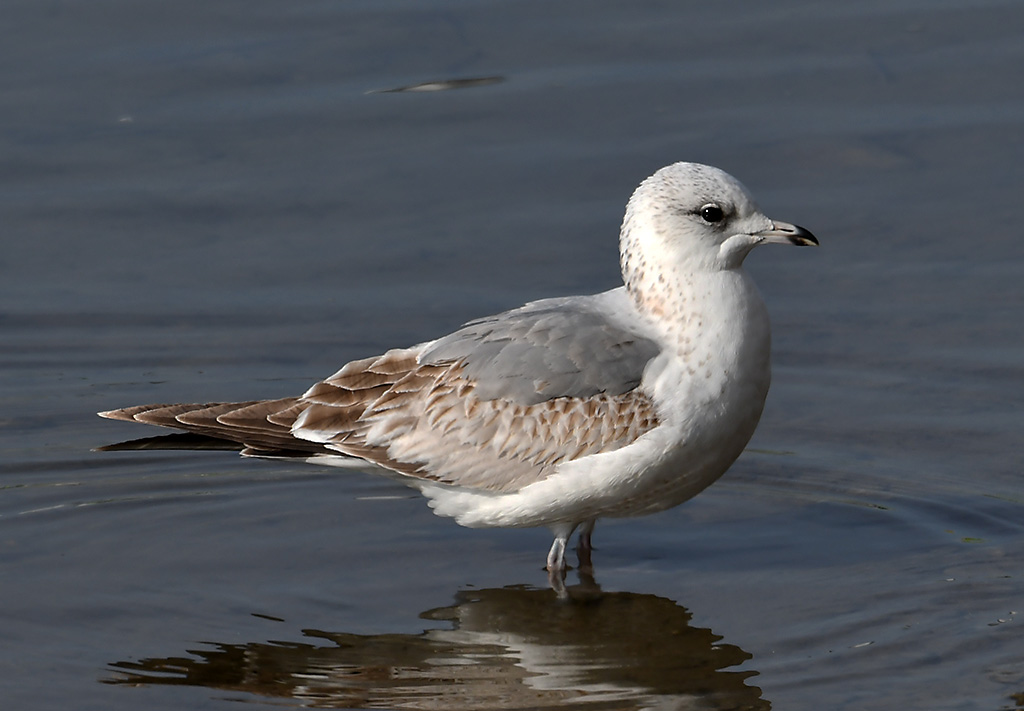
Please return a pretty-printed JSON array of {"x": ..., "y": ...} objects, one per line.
[{"x": 785, "y": 233}]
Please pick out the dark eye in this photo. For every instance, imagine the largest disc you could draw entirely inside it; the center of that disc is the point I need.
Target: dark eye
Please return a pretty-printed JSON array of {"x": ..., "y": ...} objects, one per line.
[{"x": 711, "y": 213}]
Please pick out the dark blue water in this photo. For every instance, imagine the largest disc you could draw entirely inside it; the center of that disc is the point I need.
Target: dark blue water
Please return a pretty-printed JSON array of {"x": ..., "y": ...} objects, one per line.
[{"x": 216, "y": 201}]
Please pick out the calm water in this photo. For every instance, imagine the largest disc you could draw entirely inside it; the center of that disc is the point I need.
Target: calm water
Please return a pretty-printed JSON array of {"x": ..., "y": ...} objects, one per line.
[{"x": 214, "y": 201}]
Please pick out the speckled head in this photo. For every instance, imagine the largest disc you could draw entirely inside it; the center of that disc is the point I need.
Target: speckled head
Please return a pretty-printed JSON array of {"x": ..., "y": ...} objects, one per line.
[{"x": 690, "y": 218}]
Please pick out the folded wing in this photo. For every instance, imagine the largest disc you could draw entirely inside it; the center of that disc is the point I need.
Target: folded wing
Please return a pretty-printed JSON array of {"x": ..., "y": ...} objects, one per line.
[{"x": 494, "y": 406}]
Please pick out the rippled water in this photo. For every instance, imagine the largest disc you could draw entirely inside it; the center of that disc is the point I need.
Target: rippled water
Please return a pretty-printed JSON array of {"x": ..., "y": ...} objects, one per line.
[{"x": 225, "y": 201}]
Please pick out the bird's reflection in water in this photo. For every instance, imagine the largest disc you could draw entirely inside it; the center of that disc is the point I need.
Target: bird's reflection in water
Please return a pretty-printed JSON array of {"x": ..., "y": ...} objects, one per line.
[{"x": 506, "y": 648}]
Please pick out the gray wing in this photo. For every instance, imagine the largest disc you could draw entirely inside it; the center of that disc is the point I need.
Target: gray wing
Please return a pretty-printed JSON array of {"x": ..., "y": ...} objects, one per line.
[
  {"x": 494, "y": 406},
  {"x": 498, "y": 404},
  {"x": 569, "y": 347}
]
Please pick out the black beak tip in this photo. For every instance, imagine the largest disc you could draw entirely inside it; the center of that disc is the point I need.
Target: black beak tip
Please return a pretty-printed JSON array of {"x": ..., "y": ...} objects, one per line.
[{"x": 803, "y": 237}]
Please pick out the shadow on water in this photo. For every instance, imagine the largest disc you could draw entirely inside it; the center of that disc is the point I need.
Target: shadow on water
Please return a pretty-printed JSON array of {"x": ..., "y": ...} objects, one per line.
[{"x": 506, "y": 648}]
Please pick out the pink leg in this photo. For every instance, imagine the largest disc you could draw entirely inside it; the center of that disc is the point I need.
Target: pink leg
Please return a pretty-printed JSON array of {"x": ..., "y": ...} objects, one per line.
[{"x": 584, "y": 547}]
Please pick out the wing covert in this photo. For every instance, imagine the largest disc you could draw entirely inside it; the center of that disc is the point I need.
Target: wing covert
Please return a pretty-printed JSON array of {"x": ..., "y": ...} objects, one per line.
[{"x": 544, "y": 350}]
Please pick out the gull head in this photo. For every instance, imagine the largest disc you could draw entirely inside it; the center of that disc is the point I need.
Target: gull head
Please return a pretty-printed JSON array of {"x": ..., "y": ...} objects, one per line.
[{"x": 697, "y": 218}]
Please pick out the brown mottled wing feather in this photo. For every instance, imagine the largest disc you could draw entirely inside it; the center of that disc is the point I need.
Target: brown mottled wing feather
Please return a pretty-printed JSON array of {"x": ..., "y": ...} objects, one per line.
[
  {"x": 261, "y": 425},
  {"x": 496, "y": 405},
  {"x": 427, "y": 421}
]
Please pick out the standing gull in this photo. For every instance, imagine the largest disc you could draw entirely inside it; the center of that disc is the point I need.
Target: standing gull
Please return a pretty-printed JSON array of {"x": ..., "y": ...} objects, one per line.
[{"x": 563, "y": 410}]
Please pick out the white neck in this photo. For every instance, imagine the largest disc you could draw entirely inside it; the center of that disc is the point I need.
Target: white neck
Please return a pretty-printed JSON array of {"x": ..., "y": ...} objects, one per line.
[{"x": 706, "y": 310}]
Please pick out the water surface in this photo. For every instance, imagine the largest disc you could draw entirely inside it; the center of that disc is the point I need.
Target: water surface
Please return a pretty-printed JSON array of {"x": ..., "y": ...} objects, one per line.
[{"x": 216, "y": 201}]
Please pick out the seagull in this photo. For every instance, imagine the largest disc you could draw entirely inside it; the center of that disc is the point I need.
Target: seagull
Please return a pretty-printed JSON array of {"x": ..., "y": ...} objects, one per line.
[{"x": 565, "y": 410}]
